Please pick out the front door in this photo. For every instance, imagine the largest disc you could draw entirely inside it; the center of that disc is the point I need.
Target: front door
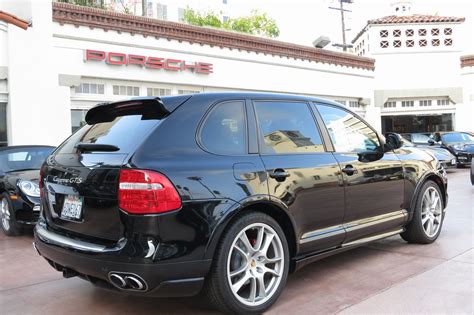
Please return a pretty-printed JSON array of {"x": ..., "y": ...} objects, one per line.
[
  {"x": 374, "y": 190},
  {"x": 301, "y": 173}
]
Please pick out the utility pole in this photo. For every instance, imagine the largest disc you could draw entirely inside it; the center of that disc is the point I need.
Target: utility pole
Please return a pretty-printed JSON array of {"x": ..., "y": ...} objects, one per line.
[{"x": 344, "y": 44}]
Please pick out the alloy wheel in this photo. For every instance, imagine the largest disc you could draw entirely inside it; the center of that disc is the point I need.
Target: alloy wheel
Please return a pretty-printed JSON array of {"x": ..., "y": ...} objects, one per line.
[
  {"x": 255, "y": 264},
  {"x": 431, "y": 212},
  {"x": 5, "y": 214}
]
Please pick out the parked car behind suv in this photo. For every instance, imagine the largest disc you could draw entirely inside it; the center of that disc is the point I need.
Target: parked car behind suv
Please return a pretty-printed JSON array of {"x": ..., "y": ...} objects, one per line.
[
  {"x": 19, "y": 190},
  {"x": 461, "y": 144},
  {"x": 227, "y": 193}
]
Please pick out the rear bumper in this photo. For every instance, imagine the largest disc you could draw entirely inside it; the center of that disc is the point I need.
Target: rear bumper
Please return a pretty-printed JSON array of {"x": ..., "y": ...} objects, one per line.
[{"x": 161, "y": 279}]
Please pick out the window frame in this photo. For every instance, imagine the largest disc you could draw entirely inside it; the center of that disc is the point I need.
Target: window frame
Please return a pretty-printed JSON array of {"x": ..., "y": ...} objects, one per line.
[
  {"x": 326, "y": 131},
  {"x": 206, "y": 116},
  {"x": 319, "y": 129}
]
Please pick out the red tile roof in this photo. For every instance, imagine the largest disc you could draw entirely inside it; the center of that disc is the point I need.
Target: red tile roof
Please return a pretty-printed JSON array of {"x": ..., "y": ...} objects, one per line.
[
  {"x": 64, "y": 13},
  {"x": 467, "y": 61},
  {"x": 415, "y": 18},
  {"x": 12, "y": 19},
  {"x": 407, "y": 19}
]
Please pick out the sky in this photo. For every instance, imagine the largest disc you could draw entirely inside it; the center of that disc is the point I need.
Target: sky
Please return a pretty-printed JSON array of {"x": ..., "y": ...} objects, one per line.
[{"x": 302, "y": 21}]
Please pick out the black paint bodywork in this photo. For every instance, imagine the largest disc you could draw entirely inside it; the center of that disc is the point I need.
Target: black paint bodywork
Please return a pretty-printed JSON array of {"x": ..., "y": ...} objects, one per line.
[{"x": 214, "y": 189}]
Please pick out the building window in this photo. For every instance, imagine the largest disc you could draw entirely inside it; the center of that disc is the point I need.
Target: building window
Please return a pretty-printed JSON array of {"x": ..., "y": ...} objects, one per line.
[
  {"x": 423, "y": 42},
  {"x": 442, "y": 102},
  {"x": 157, "y": 92},
  {"x": 384, "y": 44},
  {"x": 225, "y": 19},
  {"x": 435, "y": 42},
  {"x": 89, "y": 88},
  {"x": 181, "y": 15},
  {"x": 408, "y": 103},
  {"x": 448, "y": 42},
  {"x": 422, "y": 32},
  {"x": 354, "y": 104},
  {"x": 383, "y": 33},
  {"x": 409, "y": 32},
  {"x": 410, "y": 43},
  {"x": 391, "y": 104},
  {"x": 188, "y": 91},
  {"x": 397, "y": 33},
  {"x": 448, "y": 31},
  {"x": 397, "y": 43},
  {"x": 126, "y": 90},
  {"x": 425, "y": 102},
  {"x": 340, "y": 102},
  {"x": 78, "y": 119},
  {"x": 3, "y": 125},
  {"x": 162, "y": 11},
  {"x": 435, "y": 31}
]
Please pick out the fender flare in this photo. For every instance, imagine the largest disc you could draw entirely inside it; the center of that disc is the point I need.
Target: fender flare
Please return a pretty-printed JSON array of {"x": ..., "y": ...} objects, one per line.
[
  {"x": 243, "y": 205},
  {"x": 418, "y": 187}
]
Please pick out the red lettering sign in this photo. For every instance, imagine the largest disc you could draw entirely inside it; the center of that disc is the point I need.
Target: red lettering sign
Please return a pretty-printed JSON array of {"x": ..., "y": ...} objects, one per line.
[{"x": 120, "y": 59}]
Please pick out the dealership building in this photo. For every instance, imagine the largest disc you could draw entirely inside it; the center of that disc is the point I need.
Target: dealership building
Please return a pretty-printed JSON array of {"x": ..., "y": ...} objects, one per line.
[{"x": 70, "y": 58}]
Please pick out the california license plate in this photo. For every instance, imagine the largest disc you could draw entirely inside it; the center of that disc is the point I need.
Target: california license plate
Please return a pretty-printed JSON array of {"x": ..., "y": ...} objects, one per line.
[{"x": 72, "y": 207}]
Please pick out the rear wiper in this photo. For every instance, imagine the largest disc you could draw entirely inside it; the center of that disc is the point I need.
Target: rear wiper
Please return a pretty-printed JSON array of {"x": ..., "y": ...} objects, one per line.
[{"x": 84, "y": 146}]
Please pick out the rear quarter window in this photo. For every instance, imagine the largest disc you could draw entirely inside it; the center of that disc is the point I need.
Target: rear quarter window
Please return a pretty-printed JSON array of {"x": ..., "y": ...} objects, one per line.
[{"x": 224, "y": 129}]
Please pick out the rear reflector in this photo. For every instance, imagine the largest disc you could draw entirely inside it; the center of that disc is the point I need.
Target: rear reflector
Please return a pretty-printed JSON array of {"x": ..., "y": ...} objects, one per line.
[{"x": 146, "y": 192}]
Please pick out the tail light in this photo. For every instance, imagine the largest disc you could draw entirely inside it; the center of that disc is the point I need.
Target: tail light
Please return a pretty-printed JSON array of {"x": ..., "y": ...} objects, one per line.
[{"x": 146, "y": 192}]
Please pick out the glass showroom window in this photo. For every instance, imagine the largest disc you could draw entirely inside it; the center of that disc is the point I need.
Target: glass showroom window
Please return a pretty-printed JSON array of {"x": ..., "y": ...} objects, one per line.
[
  {"x": 3, "y": 125},
  {"x": 78, "y": 118}
]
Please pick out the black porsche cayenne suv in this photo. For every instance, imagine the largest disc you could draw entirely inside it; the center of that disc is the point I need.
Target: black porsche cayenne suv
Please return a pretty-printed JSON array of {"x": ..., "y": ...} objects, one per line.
[{"x": 226, "y": 193}]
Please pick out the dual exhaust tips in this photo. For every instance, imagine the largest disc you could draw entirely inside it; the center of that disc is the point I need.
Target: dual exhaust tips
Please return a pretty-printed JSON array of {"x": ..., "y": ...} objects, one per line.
[{"x": 127, "y": 281}]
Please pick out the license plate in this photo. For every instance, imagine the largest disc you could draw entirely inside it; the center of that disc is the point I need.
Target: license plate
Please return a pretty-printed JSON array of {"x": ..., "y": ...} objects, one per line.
[
  {"x": 72, "y": 207},
  {"x": 462, "y": 157},
  {"x": 453, "y": 161}
]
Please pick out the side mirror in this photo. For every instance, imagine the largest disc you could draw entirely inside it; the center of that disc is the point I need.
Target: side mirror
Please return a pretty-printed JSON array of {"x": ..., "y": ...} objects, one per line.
[
  {"x": 394, "y": 141},
  {"x": 370, "y": 156},
  {"x": 431, "y": 142}
]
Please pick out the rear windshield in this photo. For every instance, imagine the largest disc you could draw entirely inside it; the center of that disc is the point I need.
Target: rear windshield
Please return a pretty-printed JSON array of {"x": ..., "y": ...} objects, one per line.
[
  {"x": 24, "y": 158},
  {"x": 125, "y": 132}
]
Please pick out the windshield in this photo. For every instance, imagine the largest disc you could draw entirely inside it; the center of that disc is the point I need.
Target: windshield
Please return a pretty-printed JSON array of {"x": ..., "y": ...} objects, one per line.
[
  {"x": 457, "y": 137},
  {"x": 23, "y": 158},
  {"x": 406, "y": 142}
]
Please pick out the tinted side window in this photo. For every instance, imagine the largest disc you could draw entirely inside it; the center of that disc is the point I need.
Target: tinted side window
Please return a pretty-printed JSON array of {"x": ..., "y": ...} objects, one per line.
[
  {"x": 287, "y": 127},
  {"x": 348, "y": 133},
  {"x": 224, "y": 130}
]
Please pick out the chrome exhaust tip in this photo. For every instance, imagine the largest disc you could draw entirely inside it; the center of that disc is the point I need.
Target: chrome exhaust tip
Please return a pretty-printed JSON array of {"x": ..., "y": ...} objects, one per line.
[{"x": 127, "y": 281}]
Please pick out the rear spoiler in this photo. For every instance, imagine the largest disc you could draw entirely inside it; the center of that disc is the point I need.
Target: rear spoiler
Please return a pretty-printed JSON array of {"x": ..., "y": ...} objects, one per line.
[{"x": 148, "y": 107}]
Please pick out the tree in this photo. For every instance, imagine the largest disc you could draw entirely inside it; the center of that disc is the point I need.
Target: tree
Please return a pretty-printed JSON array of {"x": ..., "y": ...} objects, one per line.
[{"x": 255, "y": 24}]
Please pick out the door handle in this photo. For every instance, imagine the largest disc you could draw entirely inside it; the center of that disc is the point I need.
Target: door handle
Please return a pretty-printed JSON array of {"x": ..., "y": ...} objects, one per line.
[
  {"x": 349, "y": 170},
  {"x": 279, "y": 174}
]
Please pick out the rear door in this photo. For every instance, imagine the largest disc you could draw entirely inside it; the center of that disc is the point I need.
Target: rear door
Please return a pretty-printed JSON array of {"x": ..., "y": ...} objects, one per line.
[
  {"x": 301, "y": 174},
  {"x": 81, "y": 182}
]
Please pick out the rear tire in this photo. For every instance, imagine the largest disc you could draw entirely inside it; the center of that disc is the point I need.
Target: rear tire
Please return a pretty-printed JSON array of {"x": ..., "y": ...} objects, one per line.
[
  {"x": 7, "y": 216},
  {"x": 250, "y": 266},
  {"x": 428, "y": 216}
]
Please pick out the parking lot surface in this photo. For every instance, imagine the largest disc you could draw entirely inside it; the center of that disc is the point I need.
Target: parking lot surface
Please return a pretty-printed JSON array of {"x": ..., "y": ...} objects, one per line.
[{"x": 389, "y": 276}]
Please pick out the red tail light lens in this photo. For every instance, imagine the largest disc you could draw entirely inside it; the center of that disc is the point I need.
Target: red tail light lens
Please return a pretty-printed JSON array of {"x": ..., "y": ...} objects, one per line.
[{"x": 146, "y": 192}]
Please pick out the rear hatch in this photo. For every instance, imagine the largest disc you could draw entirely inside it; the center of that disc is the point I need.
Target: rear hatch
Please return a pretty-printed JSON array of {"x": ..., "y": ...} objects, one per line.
[{"x": 81, "y": 177}]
